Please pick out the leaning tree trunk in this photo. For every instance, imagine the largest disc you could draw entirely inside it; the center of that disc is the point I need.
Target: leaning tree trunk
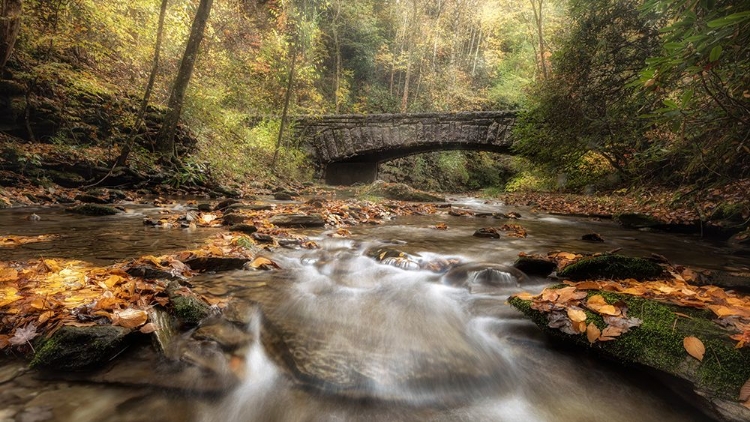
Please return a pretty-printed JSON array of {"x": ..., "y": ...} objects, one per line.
[
  {"x": 125, "y": 152},
  {"x": 165, "y": 142},
  {"x": 10, "y": 24}
]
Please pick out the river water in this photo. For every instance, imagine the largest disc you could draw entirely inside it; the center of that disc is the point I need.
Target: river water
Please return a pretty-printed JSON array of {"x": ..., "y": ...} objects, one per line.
[{"x": 338, "y": 336}]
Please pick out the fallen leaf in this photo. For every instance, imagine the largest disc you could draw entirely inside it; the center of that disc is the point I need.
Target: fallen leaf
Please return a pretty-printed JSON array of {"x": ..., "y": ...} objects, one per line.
[
  {"x": 263, "y": 264},
  {"x": 23, "y": 335},
  {"x": 129, "y": 318},
  {"x": 593, "y": 332},
  {"x": 576, "y": 315},
  {"x": 148, "y": 328},
  {"x": 694, "y": 347}
]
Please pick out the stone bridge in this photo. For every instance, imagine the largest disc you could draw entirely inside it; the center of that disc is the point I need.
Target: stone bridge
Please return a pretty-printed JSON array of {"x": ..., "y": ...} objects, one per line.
[{"x": 348, "y": 148}]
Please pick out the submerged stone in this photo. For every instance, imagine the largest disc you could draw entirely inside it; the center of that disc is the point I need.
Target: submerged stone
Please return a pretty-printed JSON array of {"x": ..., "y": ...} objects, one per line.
[
  {"x": 616, "y": 267},
  {"x": 488, "y": 275}
]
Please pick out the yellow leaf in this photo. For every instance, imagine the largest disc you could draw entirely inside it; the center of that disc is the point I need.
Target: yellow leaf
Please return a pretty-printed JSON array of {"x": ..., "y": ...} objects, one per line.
[
  {"x": 592, "y": 332},
  {"x": 112, "y": 281},
  {"x": 45, "y": 316},
  {"x": 694, "y": 347},
  {"x": 52, "y": 265},
  {"x": 576, "y": 315}
]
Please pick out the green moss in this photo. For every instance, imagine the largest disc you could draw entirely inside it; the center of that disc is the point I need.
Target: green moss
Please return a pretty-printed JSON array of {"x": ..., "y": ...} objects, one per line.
[
  {"x": 189, "y": 309},
  {"x": 611, "y": 266},
  {"x": 658, "y": 343}
]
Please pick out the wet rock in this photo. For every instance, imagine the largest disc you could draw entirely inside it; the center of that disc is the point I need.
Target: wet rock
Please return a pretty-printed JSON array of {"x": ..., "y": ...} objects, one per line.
[
  {"x": 244, "y": 228},
  {"x": 284, "y": 195},
  {"x": 592, "y": 237},
  {"x": 488, "y": 232},
  {"x": 535, "y": 266},
  {"x": 225, "y": 334},
  {"x": 166, "y": 333},
  {"x": 316, "y": 202},
  {"x": 216, "y": 263},
  {"x": 262, "y": 237},
  {"x": 238, "y": 312},
  {"x": 427, "y": 352},
  {"x": 90, "y": 199},
  {"x": 204, "y": 207},
  {"x": 151, "y": 273},
  {"x": 479, "y": 274},
  {"x": 250, "y": 207},
  {"x": 612, "y": 266},
  {"x": 221, "y": 206},
  {"x": 297, "y": 220},
  {"x": 93, "y": 210},
  {"x": 80, "y": 348},
  {"x": 232, "y": 219}
]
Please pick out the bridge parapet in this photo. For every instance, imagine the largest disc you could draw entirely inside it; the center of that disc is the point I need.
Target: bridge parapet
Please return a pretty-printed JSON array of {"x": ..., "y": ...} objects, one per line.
[{"x": 359, "y": 142}]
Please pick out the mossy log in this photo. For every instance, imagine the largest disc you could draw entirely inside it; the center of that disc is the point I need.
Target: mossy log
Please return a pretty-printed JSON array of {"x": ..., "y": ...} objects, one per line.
[{"x": 658, "y": 344}]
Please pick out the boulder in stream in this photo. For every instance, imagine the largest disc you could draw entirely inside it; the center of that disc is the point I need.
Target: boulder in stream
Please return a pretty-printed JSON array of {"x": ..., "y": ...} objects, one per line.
[{"x": 535, "y": 266}]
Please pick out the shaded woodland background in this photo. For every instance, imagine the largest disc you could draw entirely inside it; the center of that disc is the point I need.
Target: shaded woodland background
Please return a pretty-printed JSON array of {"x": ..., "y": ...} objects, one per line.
[{"x": 613, "y": 93}]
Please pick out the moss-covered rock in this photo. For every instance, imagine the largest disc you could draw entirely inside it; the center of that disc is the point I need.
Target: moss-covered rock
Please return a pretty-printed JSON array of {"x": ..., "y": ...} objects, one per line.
[
  {"x": 611, "y": 266},
  {"x": 93, "y": 210},
  {"x": 658, "y": 343},
  {"x": 80, "y": 348}
]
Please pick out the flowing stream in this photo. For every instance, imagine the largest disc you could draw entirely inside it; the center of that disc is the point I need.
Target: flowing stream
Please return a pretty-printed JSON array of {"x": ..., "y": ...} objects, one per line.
[{"x": 338, "y": 336}]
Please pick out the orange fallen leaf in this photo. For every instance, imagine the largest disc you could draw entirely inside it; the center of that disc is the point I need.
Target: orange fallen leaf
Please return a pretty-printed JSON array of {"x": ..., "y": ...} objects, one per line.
[
  {"x": 694, "y": 347},
  {"x": 593, "y": 332},
  {"x": 129, "y": 318},
  {"x": 263, "y": 264},
  {"x": 148, "y": 328}
]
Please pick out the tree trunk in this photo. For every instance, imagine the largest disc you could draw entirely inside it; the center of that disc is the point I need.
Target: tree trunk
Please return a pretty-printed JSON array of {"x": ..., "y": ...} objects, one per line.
[
  {"x": 165, "y": 142},
  {"x": 122, "y": 159},
  {"x": 285, "y": 111},
  {"x": 10, "y": 24},
  {"x": 540, "y": 35}
]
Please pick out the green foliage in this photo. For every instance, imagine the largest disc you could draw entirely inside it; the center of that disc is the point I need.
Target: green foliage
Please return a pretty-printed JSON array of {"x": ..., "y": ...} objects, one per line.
[{"x": 700, "y": 79}]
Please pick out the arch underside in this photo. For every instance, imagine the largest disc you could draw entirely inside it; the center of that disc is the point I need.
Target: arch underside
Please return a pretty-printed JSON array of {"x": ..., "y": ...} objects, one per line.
[{"x": 379, "y": 156}]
